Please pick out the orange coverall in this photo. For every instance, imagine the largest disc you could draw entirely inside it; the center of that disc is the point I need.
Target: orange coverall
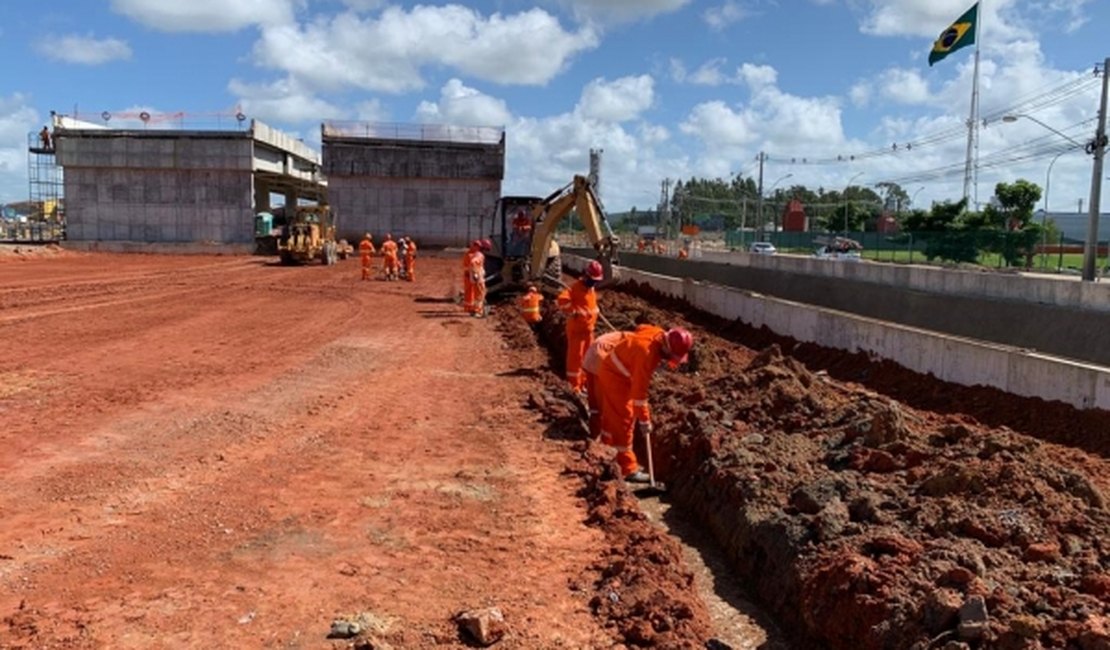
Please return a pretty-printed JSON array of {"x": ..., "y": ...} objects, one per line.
[
  {"x": 579, "y": 303},
  {"x": 623, "y": 379},
  {"x": 474, "y": 281},
  {"x": 530, "y": 307},
  {"x": 389, "y": 258},
  {"x": 598, "y": 351},
  {"x": 365, "y": 254},
  {"x": 410, "y": 260}
]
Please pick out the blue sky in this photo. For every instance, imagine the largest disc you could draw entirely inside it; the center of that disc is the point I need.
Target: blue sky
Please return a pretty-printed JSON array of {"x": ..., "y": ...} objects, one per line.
[{"x": 667, "y": 88}]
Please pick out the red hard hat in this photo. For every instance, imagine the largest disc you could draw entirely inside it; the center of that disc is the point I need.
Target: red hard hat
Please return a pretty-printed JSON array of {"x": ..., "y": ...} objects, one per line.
[
  {"x": 594, "y": 271},
  {"x": 487, "y": 245},
  {"x": 476, "y": 244},
  {"x": 678, "y": 342}
]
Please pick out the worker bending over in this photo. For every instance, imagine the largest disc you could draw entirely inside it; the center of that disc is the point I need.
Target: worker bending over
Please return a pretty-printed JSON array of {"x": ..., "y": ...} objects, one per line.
[
  {"x": 366, "y": 254},
  {"x": 579, "y": 303},
  {"x": 410, "y": 259},
  {"x": 598, "y": 351},
  {"x": 623, "y": 380},
  {"x": 530, "y": 306}
]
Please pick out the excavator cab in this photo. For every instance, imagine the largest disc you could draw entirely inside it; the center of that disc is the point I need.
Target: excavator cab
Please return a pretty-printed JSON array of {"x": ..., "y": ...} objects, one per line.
[{"x": 523, "y": 236}]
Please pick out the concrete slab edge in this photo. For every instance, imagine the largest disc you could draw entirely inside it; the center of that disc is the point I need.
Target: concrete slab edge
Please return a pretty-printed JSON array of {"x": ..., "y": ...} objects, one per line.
[{"x": 966, "y": 362}]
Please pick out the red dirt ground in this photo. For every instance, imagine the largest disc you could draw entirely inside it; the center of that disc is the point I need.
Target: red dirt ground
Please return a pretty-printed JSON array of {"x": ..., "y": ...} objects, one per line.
[
  {"x": 217, "y": 452},
  {"x": 864, "y": 522}
]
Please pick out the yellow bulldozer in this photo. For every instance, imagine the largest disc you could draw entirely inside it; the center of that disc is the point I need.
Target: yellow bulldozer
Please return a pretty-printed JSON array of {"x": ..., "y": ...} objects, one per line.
[{"x": 308, "y": 235}]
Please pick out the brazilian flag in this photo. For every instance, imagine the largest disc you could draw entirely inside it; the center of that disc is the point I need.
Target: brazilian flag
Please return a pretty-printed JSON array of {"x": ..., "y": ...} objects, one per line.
[{"x": 960, "y": 34}]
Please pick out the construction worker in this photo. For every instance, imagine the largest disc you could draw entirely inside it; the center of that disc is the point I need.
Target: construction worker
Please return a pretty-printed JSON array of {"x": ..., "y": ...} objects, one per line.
[
  {"x": 389, "y": 257},
  {"x": 683, "y": 253},
  {"x": 598, "y": 351},
  {"x": 522, "y": 232},
  {"x": 410, "y": 259},
  {"x": 640, "y": 245},
  {"x": 579, "y": 303},
  {"x": 623, "y": 380},
  {"x": 478, "y": 276},
  {"x": 530, "y": 306},
  {"x": 44, "y": 137},
  {"x": 468, "y": 284},
  {"x": 366, "y": 254}
]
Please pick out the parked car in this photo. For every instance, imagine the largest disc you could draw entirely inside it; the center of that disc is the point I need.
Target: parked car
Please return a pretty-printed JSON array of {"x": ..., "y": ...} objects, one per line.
[
  {"x": 830, "y": 253},
  {"x": 762, "y": 248}
]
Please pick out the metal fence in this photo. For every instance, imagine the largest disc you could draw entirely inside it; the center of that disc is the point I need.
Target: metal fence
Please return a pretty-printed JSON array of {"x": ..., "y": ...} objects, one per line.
[{"x": 419, "y": 132}]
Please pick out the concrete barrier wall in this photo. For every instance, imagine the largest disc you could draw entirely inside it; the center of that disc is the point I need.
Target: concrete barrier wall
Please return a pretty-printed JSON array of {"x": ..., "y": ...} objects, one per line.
[
  {"x": 958, "y": 360},
  {"x": 972, "y": 310}
]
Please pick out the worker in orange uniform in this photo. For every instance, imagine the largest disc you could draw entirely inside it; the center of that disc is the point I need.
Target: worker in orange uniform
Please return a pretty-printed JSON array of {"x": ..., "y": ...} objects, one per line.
[
  {"x": 683, "y": 253},
  {"x": 640, "y": 245},
  {"x": 522, "y": 232},
  {"x": 410, "y": 259},
  {"x": 468, "y": 285},
  {"x": 366, "y": 254},
  {"x": 623, "y": 380},
  {"x": 579, "y": 303},
  {"x": 597, "y": 352},
  {"x": 389, "y": 257},
  {"x": 478, "y": 278},
  {"x": 530, "y": 306}
]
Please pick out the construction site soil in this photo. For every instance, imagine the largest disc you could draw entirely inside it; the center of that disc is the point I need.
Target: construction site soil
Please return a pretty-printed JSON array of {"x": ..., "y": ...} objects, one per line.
[
  {"x": 222, "y": 452},
  {"x": 867, "y": 506}
]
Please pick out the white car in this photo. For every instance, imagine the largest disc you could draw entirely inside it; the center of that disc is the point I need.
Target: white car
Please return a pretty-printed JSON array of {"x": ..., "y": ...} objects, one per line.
[
  {"x": 762, "y": 248},
  {"x": 827, "y": 253}
]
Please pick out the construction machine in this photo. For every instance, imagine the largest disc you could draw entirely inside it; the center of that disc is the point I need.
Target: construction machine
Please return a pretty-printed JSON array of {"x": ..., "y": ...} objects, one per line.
[
  {"x": 523, "y": 236},
  {"x": 309, "y": 234}
]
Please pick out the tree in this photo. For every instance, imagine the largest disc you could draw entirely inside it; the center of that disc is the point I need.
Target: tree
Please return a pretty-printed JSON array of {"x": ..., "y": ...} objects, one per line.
[
  {"x": 1007, "y": 222},
  {"x": 893, "y": 196},
  {"x": 944, "y": 233}
]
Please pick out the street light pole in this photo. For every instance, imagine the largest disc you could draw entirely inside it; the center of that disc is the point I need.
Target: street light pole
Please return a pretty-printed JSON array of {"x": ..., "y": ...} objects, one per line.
[
  {"x": 914, "y": 197},
  {"x": 1090, "y": 251},
  {"x": 1044, "y": 215},
  {"x": 774, "y": 185},
  {"x": 845, "y": 197},
  {"x": 1015, "y": 116}
]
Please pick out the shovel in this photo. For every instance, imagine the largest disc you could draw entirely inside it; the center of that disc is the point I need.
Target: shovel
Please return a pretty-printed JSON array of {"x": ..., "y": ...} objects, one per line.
[{"x": 654, "y": 488}]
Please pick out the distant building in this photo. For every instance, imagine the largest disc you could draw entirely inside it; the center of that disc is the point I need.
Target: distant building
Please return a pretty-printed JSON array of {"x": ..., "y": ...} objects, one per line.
[
  {"x": 1073, "y": 225},
  {"x": 794, "y": 217}
]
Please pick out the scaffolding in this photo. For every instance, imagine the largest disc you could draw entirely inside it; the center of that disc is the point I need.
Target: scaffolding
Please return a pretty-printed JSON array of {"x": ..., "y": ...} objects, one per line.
[{"x": 44, "y": 216}]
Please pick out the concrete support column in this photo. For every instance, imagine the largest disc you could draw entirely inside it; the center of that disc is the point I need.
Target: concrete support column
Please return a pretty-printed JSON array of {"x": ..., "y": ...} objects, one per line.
[
  {"x": 261, "y": 197},
  {"x": 290, "y": 199}
]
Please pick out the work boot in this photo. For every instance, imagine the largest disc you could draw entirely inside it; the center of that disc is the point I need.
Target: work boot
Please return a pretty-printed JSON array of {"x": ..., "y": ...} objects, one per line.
[{"x": 639, "y": 476}]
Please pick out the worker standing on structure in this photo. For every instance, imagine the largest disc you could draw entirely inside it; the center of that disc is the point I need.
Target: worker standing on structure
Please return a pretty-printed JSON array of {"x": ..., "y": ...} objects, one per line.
[
  {"x": 579, "y": 303},
  {"x": 366, "y": 254},
  {"x": 410, "y": 259},
  {"x": 389, "y": 257},
  {"x": 623, "y": 380},
  {"x": 530, "y": 306},
  {"x": 598, "y": 351}
]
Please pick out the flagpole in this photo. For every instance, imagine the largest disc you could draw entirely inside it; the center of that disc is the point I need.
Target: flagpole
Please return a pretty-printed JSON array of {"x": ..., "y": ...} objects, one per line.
[{"x": 972, "y": 169}]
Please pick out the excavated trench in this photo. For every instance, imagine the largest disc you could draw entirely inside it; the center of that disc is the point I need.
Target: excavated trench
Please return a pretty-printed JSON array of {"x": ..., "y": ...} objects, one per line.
[{"x": 865, "y": 506}]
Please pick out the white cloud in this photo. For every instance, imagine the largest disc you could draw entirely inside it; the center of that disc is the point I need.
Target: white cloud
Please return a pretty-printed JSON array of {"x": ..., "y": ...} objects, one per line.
[
  {"x": 617, "y": 101},
  {"x": 85, "y": 50},
  {"x": 758, "y": 76},
  {"x": 372, "y": 111},
  {"x": 363, "y": 5},
  {"x": 386, "y": 53},
  {"x": 724, "y": 15},
  {"x": 283, "y": 101},
  {"x": 709, "y": 73},
  {"x": 677, "y": 69},
  {"x": 463, "y": 106},
  {"x": 622, "y": 10},
  {"x": 17, "y": 120},
  {"x": 904, "y": 86},
  {"x": 204, "y": 15},
  {"x": 860, "y": 93}
]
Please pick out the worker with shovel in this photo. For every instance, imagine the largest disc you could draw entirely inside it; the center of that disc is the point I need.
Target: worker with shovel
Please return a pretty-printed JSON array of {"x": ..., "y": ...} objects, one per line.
[
  {"x": 623, "y": 380},
  {"x": 579, "y": 303},
  {"x": 366, "y": 254}
]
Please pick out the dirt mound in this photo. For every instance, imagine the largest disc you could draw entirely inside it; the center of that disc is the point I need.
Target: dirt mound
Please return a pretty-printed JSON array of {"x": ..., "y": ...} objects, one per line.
[
  {"x": 866, "y": 523},
  {"x": 640, "y": 587}
]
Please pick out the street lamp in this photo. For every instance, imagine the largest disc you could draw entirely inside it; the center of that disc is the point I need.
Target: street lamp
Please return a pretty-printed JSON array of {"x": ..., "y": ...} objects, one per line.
[
  {"x": 1090, "y": 248},
  {"x": 846, "y": 201},
  {"x": 772, "y": 189},
  {"x": 1044, "y": 215},
  {"x": 914, "y": 197},
  {"x": 1014, "y": 118}
]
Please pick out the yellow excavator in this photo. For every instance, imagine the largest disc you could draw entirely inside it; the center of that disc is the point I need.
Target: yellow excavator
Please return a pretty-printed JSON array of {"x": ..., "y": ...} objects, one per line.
[{"x": 524, "y": 249}]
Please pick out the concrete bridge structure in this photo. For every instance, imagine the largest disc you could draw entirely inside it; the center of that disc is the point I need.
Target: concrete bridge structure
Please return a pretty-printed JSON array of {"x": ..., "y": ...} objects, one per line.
[{"x": 172, "y": 186}]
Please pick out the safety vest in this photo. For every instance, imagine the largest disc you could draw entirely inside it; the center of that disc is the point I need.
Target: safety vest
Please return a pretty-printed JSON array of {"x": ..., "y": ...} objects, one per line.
[
  {"x": 579, "y": 303},
  {"x": 633, "y": 361},
  {"x": 530, "y": 306}
]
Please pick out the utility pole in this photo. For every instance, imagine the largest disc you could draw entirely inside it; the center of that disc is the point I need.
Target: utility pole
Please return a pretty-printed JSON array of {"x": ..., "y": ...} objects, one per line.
[
  {"x": 1098, "y": 147},
  {"x": 759, "y": 201}
]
